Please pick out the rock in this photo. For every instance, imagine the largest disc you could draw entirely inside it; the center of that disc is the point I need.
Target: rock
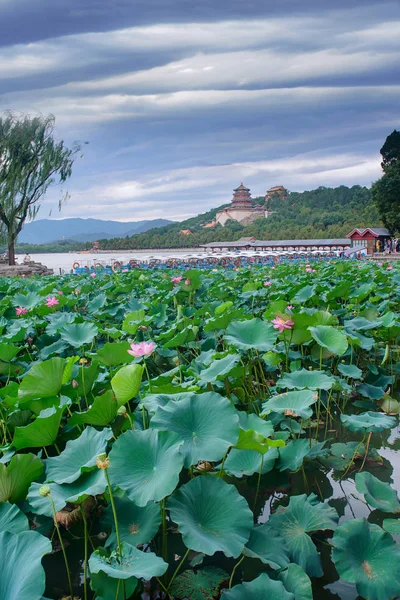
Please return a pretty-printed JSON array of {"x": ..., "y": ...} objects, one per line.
[{"x": 25, "y": 270}]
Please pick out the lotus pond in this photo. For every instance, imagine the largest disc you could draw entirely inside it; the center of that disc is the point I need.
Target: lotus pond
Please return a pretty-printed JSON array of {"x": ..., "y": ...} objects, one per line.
[{"x": 199, "y": 435}]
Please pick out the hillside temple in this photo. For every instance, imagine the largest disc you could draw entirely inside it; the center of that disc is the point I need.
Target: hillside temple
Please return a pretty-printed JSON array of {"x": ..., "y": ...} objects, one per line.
[{"x": 242, "y": 209}]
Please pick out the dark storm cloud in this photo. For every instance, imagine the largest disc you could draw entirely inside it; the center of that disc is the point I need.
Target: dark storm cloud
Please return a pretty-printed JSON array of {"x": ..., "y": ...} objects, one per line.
[{"x": 182, "y": 100}]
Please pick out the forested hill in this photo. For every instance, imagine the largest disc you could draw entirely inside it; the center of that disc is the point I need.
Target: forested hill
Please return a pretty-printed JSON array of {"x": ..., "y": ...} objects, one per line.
[{"x": 320, "y": 213}]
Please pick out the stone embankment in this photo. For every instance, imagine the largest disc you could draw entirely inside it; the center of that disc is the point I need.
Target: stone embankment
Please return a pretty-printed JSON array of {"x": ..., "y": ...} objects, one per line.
[{"x": 24, "y": 270}]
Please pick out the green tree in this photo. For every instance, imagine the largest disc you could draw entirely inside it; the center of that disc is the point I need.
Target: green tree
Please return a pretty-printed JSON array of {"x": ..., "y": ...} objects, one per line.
[
  {"x": 30, "y": 162},
  {"x": 386, "y": 195},
  {"x": 390, "y": 150},
  {"x": 385, "y": 192}
]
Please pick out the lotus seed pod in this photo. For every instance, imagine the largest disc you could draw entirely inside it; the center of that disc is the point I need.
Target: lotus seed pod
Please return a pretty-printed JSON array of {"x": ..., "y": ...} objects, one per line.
[
  {"x": 44, "y": 491},
  {"x": 102, "y": 461}
]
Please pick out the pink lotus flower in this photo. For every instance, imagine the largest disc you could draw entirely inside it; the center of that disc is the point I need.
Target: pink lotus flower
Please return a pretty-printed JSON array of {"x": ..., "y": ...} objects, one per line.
[
  {"x": 142, "y": 349},
  {"x": 380, "y": 264},
  {"x": 93, "y": 274},
  {"x": 51, "y": 301},
  {"x": 267, "y": 283},
  {"x": 187, "y": 282},
  {"x": 20, "y": 310},
  {"x": 289, "y": 307},
  {"x": 389, "y": 268},
  {"x": 282, "y": 324},
  {"x": 176, "y": 279}
]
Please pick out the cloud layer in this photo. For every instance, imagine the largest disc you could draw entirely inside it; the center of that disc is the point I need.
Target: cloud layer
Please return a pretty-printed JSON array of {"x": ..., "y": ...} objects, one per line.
[{"x": 179, "y": 103}]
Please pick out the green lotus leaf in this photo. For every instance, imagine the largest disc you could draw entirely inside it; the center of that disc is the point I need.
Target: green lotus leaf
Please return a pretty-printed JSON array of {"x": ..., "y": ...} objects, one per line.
[
  {"x": 43, "y": 380},
  {"x": 91, "y": 483},
  {"x": 79, "y": 456},
  {"x": 58, "y": 320},
  {"x": 367, "y": 555},
  {"x": 22, "y": 574},
  {"x": 96, "y": 303},
  {"x": 202, "y": 585},
  {"x": 16, "y": 478},
  {"x": 266, "y": 544},
  {"x": 250, "y": 421},
  {"x": 41, "y": 432},
  {"x": 78, "y": 334},
  {"x": 152, "y": 471},
  {"x": 254, "y": 334},
  {"x": 197, "y": 420},
  {"x": 261, "y": 588},
  {"x": 248, "y": 462},
  {"x": 293, "y": 523},
  {"x": 297, "y": 402},
  {"x": 312, "y": 380},
  {"x": 377, "y": 493},
  {"x": 29, "y": 300},
  {"x": 8, "y": 351},
  {"x": 126, "y": 383},
  {"x": 251, "y": 440},
  {"x": 221, "y": 321},
  {"x": 100, "y": 414},
  {"x": 136, "y": 524},
  {"x": 134, "y": 563},
  {"x": 306, "y": 293},
  {"x": 212, "y": 516},
  {"x": 69, "y": 367},
  {"x": 292, "y": 455},
  {"x": 132, "y": 321},
  {"x": 391, "y": 526},
  {"x": 362, "y": 291},
  {"x": 368, "y": 421},
  {"x": 296, "y": 581},
  {"x": 152, "y": 401},
  {"x": 12, "y": 519},
  {"x": 114, "y": 354},
  {"x": 107, "y": 588},
  {"x": 219, "y": 368},
  {"x": 329, "y": 337},
  {"x": 350, "y": 371}
]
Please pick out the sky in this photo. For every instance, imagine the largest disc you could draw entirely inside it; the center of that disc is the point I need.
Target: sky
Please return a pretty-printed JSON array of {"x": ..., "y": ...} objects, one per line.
[{"x": 181, "y": 101}]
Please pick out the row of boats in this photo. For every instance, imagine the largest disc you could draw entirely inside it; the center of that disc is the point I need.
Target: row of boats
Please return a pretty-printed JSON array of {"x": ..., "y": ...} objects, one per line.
[{"x": 200, "y": 260}]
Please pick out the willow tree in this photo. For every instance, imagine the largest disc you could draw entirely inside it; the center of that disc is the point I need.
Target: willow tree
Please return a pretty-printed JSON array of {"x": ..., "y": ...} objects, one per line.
[{"x": 31, "y": 161}]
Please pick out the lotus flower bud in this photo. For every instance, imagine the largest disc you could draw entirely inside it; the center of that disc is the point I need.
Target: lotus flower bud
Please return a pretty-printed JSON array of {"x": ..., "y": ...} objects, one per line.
[
  {"x": 74, "y": 383},
  {"x": 122, "y": 411},
  {"x": 102, "y": 461},
  {"x": 44, "y": 491}
]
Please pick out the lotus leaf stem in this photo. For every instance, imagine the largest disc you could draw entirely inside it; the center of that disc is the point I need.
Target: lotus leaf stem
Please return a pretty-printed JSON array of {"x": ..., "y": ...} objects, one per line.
[
  {"x": 62, "y": 545},
  {"x": 85, "y": 562},
  {"x": 116, "y": 527},
  {"x": 258, "y": 482},
  {"x": 234, "y": 571},
  {"x": 184, "y": 557}
]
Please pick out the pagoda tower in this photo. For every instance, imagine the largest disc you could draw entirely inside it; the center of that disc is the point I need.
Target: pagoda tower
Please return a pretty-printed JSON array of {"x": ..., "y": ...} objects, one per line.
[{"x": 241, "y": 197}]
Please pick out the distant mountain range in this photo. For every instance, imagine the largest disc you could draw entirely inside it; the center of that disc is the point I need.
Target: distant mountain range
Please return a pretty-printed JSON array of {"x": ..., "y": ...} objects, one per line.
[{"x": 46, "y": 231}]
